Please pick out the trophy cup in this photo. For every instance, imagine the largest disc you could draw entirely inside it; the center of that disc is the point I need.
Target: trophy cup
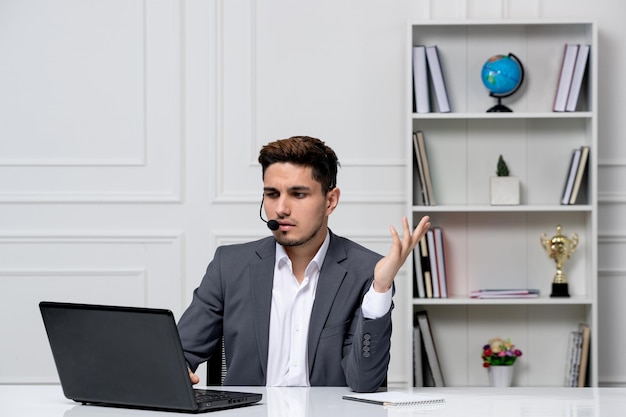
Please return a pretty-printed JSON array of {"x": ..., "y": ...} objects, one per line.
[{"x": 559, "y": 248}]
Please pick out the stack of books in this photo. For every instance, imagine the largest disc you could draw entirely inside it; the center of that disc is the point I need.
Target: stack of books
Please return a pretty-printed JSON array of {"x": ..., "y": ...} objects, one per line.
[
  {"x": 573, "y": 70},
  {"x": 575, "y": 174},
  {"x": 431, "y": 279},
  {"x": 423, "y": 169},
  {"x": 427, "y": 66},
  {"x": 426, "y": 366},
  {"x": 505, "y": 293},
  {"x": 578, "y": 357}
]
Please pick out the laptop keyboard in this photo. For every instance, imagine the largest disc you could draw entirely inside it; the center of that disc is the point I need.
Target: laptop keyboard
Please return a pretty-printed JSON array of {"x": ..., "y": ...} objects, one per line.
[
  {"x": 205, "y": 396},
  {"x": 213, "y": 397}
]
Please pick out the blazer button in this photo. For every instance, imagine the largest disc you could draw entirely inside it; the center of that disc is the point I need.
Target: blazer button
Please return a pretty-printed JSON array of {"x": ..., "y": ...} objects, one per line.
[
  {"x": 367, "y": 336},
  {"x": 366, "y": 354}
]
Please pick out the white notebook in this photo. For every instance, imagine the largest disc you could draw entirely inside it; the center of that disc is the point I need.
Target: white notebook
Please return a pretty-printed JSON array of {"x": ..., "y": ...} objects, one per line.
[{"x": 397, "y": 399}]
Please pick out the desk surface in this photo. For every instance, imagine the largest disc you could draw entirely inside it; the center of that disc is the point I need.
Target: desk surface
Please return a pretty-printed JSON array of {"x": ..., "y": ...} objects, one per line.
[{"x": 48, "y": 401}]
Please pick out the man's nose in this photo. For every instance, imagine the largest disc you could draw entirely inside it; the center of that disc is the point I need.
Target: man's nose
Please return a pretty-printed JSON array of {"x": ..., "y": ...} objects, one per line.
[{"x": 282, "y": 206}]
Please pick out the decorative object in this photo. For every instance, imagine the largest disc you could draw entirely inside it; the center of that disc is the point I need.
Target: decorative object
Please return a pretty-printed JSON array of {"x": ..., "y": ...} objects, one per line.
[
  {"x": 503, "y": 76},
  {"x": 559, "y": 248},
  {"x": 498, "y": 357},
  {"x": 500, "y": 376},
  {"x": 504, "y": 189}
]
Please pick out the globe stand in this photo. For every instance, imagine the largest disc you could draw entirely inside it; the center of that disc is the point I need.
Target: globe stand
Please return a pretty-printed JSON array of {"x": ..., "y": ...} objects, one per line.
[{"x": 499, "y": 108}]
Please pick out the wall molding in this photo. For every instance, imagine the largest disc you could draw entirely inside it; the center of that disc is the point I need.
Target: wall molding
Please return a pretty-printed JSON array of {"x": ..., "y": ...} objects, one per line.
[
  {"x": 79, "y": 167},
  {"x": 611, "y": 273},
  {"x": 92, "y": 236},
  {"x": 611, "y": 198},
  {"x": 174, "y": 196},
  {"x": 228, "y": 237},
  {"x": 76, "y": 162},
  {"x": 609, "y": 238},
  {"x": 98, "y": 272},
  {"x": 380, "y": 198},
  {"x": 133, "y": 161}
]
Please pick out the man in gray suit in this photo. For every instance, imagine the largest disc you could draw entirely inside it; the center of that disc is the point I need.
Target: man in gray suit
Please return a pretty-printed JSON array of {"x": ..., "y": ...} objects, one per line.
[{"x": 304, "y": 307}]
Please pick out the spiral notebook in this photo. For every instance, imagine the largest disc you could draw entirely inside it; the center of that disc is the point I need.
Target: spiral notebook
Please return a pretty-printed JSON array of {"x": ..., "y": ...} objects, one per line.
[{"x": 397, "y": 399}]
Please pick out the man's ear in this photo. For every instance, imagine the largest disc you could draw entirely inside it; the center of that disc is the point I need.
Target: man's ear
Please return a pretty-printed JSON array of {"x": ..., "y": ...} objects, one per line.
[{"x": 332, "y": 199}]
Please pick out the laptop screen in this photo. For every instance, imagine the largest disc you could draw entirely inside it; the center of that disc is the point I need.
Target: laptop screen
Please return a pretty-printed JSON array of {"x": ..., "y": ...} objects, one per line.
[{"x": 124, "y": 356}]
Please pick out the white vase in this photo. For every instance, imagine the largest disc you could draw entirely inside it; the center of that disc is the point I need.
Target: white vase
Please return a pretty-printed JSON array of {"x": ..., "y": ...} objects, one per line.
[
  {"x": 500, "y": 376},
  {"x": 504, "y": 191}
]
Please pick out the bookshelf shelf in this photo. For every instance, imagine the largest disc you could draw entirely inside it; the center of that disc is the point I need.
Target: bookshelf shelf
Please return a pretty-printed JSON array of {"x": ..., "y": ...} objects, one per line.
[
  {"x": 490, "y": 246},
  {"x": 501, "y": 209},
  {"x": 543, "y": 300},
  {"x": 497, "y": 116}
]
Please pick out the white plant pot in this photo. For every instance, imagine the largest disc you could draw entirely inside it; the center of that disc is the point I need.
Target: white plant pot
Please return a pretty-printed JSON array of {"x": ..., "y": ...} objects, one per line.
[
  {"x": 504, "y": 191},
  {"x": 500, "y": 376}
]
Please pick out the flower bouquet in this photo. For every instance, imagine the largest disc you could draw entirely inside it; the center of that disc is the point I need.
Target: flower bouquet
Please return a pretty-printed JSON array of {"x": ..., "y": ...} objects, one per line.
[{"x": 499, "y": 352}]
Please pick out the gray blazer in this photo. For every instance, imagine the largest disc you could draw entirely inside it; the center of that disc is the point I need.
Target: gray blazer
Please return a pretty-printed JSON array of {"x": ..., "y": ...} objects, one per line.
[{"x": 234, "y": 300}]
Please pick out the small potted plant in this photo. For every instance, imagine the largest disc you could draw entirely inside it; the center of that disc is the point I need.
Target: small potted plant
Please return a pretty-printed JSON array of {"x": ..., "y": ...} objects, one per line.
[
  {"x": 498, "y": 357},
  {"x": 504, "y": 189}
]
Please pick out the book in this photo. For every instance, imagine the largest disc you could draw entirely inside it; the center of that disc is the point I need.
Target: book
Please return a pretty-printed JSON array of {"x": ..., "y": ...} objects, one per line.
[
  {"x": 418, "y": 367},
  {"x": 584, "y": 353},
  {"x": 425, "y": 263},
  {"x": 438, "y": 81},
  {"x": 420, "y": 289},
  {"x": 441, "y": 261},
  {"x": 421, "y": 142},
  {"x": 421, "y": 89},
  {"x": 578, "y": 337},
  {"x": 570, "y": 358},
  {"x": 571, "y": 177},
  {"x": 432, "y": 257},
  {"x": 580, "y": 173},
  {"x": 429, "y": 348},
  {"x": 396, "y": 399},
  {"x": 565, "y": 77},
  {"x": 420, "y": 171},
  {"x": 422, "y": 376},
  {"x": 577, "y": 77}
]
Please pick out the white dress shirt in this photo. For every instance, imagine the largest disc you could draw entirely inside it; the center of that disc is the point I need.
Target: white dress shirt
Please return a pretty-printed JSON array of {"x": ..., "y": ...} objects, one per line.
[{"x": 290, "y": 315}]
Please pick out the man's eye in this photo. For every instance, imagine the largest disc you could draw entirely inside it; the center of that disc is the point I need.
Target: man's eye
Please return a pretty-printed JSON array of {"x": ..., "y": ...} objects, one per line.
[
  {"x": 271, "y": 195},
  {"x": 299, "y": 195}
]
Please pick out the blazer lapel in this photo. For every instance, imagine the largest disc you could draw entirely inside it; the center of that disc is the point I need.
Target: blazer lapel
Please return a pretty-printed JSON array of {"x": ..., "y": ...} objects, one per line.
[
  {"x": 261, "y": 282},
  {"x": 330, "y": 279}
]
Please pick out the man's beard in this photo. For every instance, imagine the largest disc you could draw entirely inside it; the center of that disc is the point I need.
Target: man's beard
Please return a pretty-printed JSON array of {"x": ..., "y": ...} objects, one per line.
[{"x": 299, "y": 242}]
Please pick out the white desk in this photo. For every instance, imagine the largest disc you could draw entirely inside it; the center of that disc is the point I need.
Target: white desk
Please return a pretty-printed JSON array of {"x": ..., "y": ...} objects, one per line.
[{"x": 48, "y": 401}]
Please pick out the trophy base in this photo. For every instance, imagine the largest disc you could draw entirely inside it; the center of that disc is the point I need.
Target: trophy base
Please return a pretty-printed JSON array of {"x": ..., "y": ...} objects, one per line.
[{"x": 559, "y": 290}]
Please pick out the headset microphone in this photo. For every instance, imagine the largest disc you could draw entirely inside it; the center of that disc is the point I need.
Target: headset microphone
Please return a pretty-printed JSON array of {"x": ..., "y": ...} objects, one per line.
[{"x": 272, "y": 224}]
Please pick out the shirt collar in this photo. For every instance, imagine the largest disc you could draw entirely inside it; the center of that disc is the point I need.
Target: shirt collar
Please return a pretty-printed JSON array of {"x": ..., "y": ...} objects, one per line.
[{"x": 318, "y": 259}]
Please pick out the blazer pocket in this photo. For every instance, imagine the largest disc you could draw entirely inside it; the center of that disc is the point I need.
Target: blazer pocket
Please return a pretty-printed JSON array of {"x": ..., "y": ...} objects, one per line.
[{"x": 336, "y": 329}]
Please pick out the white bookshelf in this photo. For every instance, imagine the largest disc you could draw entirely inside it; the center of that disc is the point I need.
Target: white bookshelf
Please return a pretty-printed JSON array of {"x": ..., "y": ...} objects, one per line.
[{"x": 499, "y": 246}]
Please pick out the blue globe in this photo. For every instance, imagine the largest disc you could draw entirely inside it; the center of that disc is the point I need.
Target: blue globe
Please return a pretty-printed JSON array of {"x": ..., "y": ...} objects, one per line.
[{"x": 502, "y": 75}]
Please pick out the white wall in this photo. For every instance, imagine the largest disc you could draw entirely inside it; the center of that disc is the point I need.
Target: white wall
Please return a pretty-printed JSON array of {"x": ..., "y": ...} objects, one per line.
[{"x": 129, "y": 132}]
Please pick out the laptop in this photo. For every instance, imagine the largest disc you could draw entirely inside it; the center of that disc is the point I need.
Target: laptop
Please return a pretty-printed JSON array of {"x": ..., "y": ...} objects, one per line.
[{"x": 127, "y": 357}]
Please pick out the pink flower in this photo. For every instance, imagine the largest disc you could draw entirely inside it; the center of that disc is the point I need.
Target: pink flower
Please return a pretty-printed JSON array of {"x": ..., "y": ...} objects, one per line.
[{"x": 499, "y": 352}]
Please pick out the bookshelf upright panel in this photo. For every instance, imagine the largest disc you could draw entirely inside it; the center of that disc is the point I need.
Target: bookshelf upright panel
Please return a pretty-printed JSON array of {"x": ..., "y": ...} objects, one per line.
[{"x": 490, "y": 246}]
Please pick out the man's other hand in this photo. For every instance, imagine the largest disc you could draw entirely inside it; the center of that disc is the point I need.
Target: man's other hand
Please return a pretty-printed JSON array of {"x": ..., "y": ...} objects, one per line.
[{"x": 193, "y": 377}]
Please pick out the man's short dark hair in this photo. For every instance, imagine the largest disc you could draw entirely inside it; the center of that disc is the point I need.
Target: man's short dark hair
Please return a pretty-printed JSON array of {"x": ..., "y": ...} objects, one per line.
[{"x": 306, "y": 151}]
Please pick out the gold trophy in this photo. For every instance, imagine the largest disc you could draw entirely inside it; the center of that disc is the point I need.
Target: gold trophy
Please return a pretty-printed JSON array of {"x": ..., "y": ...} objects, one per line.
[{"x": 559, "y": 248}]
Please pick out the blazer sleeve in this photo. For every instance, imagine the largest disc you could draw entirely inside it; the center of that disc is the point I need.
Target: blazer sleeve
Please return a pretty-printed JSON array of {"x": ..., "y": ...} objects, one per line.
[
  {"x": 200, "y": 326},
  {"x": 367, "y": 352}
]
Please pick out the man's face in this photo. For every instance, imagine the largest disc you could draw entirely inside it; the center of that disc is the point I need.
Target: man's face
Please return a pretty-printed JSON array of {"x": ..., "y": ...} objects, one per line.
[{"x": 295, "y": 200}]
